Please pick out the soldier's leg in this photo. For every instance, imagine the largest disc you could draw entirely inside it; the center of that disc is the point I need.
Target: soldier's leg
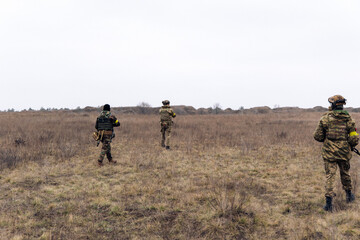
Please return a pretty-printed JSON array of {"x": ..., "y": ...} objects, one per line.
[
  {"x": 344, "y": 167},
  {"x": 168, "y": 135},
  {"x": 108, "y": 152},
  {"x": 163, "y": 136},
  {"x": 111, "y": 160},
  {"x": 103, "y": 151},
  {"x": 330, "y": 171}
]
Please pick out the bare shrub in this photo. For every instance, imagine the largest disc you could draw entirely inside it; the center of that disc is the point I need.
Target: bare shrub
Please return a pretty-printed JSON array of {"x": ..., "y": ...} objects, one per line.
[
  {"x": 281, "y": 135},
  {"x": 229, "y": 200},
  {"x": 19, "y": 142},
  {"x": 216, "y": 108},
  {"x": 144, "y": 108}
]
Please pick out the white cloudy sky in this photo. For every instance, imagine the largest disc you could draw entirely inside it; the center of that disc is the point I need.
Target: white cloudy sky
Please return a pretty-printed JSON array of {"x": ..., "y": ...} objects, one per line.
[{"x": 69, "y": 53}]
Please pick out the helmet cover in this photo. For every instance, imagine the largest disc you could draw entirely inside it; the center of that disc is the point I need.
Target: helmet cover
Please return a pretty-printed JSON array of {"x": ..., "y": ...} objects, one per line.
[{"x": 337, "y": 100}]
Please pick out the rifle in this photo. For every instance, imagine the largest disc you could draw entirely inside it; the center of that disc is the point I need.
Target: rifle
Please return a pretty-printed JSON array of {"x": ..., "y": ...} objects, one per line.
[
  {"x": 97, "y": 137},
  {"x": 112, "y": 135},
  {"x": 356, "y": 151}
]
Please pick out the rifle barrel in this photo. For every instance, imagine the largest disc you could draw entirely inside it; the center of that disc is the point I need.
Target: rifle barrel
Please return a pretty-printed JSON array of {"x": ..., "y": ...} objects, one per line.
[{"x": 356, "y": 151}]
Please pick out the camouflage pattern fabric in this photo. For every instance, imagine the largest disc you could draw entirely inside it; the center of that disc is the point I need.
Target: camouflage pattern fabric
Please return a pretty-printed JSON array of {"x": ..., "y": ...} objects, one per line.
[
  {"x": 166, "y": 134},
  {"x": 330, "y": 171},
  {"x": 337, "y": 131},
  {"x": 166, "y": 116},
  {"x": 106, "y": 148},
  {"x": 334, "y": 131}
]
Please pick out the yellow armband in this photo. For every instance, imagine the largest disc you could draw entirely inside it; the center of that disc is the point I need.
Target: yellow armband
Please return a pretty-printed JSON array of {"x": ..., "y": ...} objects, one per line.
[{"x": 353, "y": 134}]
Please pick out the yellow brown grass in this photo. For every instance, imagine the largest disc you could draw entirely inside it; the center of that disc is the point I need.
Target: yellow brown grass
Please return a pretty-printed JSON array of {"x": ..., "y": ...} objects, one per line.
[{"x": 226, "y": 177}]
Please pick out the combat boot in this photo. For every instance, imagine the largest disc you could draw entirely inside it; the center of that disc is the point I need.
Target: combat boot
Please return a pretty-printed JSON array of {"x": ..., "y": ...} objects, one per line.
[
  {"x": 100, "y": 163},
  {"x": 167, "y": 147},
  {"x": 328, "y": 207},
  {"x": 350, "y": 197},
  {"x": 112, "y": 161}
]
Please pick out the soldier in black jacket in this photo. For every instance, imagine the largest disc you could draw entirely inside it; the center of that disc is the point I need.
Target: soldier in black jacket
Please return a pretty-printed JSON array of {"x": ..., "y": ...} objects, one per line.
[{"x": 105, "y": 124}]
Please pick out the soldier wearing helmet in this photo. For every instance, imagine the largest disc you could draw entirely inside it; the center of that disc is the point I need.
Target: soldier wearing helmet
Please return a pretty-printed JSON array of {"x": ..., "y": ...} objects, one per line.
[
  {"x": 105, "y": 124},
  {"x": 166, "y": 116},
  {"x": 337, "y": 131}
]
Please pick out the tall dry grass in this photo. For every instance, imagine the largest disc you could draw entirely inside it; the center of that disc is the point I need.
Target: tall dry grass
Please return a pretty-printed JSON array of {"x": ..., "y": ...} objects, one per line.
[
  {"x": 226, "y": 177},
  {"x": 36, "y": 136}
]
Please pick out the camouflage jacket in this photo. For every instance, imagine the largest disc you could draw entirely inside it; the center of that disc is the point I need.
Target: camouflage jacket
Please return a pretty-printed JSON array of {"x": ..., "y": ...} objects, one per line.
[
  {"x": 166, "y": 114},
  {"x": 106, "y": 121},
  {"x": 337, "y": 131}
]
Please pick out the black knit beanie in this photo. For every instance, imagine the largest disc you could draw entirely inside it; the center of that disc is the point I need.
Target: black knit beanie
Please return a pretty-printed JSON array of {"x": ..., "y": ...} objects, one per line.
[{"x": 106, "y": 107}]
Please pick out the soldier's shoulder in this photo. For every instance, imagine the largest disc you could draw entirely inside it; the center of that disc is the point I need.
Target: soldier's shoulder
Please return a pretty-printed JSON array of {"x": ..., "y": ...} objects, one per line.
[
  {"x": 325, "y": 115},
  {"x": 325, "y": 118},
  {"x": 349, "y": 115},
  {"x": 351, "y": 120}
]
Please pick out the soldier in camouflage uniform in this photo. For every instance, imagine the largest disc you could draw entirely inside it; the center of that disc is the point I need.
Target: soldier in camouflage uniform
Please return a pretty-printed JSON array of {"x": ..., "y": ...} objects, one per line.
[
  {"x": 105, "y": 124},
  {"x": 166, "y": 116},
  {"x": 337, "y": 131}
]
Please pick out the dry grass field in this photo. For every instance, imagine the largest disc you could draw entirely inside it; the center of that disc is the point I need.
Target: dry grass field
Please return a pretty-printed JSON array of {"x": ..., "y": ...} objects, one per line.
[{"x": 226, "y": 177}]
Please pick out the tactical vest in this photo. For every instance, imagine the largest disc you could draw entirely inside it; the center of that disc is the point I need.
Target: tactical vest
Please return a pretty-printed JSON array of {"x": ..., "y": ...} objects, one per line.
[
  {"x": 337, "y": 128},
  {"x": 105, "y": 123},
  {"x": 165, "y": 115}
]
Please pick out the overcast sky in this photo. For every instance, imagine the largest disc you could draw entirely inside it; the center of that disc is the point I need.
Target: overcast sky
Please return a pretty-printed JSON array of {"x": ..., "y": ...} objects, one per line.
[{"x": 70, "y": 53}]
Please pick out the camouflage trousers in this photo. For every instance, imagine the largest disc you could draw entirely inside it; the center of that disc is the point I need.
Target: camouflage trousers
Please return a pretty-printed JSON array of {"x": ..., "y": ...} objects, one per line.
[
  {"x": 165, "y": 134},
  {"x": 106, "y": 148},
  {"x": 330, "y": 171}
]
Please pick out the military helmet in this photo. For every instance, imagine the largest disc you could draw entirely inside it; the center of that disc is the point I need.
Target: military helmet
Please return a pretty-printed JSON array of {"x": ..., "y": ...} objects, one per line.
[
  {"x": 106, "y": 107},
  {"x": 337, "y": 100},
  {"x": 166, "y": 102}
]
